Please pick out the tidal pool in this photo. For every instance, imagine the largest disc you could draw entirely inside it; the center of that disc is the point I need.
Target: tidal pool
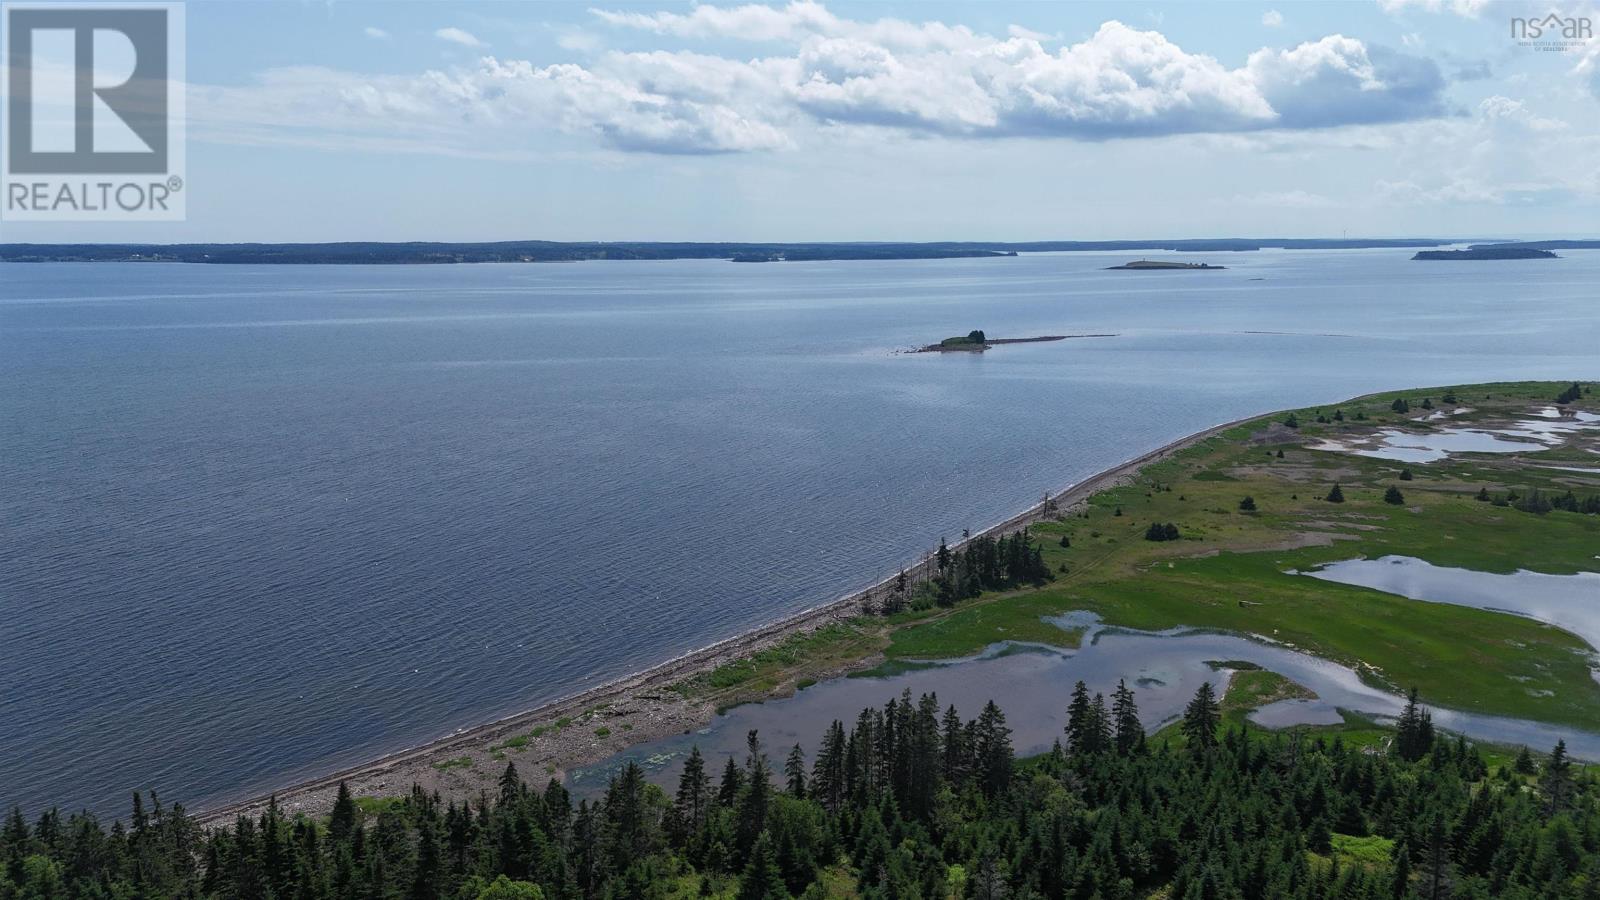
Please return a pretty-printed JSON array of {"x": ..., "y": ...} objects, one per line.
[
  {"x": 1419, "y": 447},
  {"x": 1033, "y": 684},
  {"x": 1571, "y": 602},
  {"x": 1547, "y": 428}
]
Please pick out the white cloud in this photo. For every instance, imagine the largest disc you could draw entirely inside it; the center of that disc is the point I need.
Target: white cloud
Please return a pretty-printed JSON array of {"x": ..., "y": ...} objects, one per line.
[
  {"x": 581, "y": 41},
  {"x": 1272, "y": 18},
  {"x": 834, "y": 75},
  {"x": 1509, "y": 110},
  {"x": 1295, "y": 199},
  {"x": 377, "y": 34},
  {"x": 459, "y": 36},
  {"x": 1468, "y": 8},
  {"x": 1503, "y": 155}
]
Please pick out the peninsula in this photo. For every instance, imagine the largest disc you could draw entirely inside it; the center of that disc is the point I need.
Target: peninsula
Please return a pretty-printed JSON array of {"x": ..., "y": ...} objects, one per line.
[
  {"x": 1212, "y": 531},
  {"x": 976, "y": 342}
]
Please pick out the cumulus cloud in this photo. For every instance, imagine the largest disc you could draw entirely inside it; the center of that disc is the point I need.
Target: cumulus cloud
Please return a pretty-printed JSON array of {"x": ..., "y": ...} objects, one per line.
[
  {"x": 459, "y": 36},
  {"x": 1468, "y": 8},
  {"x": 1272, "y": 18},
  {"x": 831, "y": 73},
  {"x": 1509, "y": 110},
  {"x": 1502, "y": 154},
  {"x": 451, "y": 112}
]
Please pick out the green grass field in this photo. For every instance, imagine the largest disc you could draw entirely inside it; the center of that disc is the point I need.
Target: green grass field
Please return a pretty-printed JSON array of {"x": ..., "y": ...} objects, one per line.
[{"x": 1232, "y": 569}]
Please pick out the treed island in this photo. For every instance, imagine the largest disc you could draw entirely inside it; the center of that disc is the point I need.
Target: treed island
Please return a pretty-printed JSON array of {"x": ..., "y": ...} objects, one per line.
[{"x": 915, "y": 798}]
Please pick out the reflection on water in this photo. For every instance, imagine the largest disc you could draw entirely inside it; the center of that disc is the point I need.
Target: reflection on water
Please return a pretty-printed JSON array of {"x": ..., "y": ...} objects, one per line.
[
  {"x": 1547, "y": 428},
  {"x": 1415, "y": 447},
  {"x": 1033, "y": 688},
  {"x": 1571, "y": 602}
]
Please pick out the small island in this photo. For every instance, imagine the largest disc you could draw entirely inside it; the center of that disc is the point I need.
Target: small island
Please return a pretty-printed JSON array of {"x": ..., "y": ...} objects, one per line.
[
  {"x": 1487, "y": 253},
  {"x": 976, "y": 341},
  {"x": 1155, "y": 264}
]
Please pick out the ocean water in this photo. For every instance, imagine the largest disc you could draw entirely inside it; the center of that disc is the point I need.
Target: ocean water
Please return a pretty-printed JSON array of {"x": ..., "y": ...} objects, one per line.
[{"x": 257, "y": 523}]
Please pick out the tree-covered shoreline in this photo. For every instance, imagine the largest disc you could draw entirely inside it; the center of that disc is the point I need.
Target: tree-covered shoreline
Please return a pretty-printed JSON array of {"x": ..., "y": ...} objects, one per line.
[{"x": 907, "y": 801}]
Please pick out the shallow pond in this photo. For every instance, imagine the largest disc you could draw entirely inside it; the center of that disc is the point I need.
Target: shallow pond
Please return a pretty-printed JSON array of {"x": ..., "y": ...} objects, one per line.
[
  {"x": 1547, "y": 428},
  {"x": 1416, "y": 447},
  {"x": 1032, "y": 684},
  {"x": 1571, "y": 602}
]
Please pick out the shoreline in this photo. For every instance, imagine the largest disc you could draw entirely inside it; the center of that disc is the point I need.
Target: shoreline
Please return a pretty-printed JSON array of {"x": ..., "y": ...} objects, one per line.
[{"x": 641, "y": 700}]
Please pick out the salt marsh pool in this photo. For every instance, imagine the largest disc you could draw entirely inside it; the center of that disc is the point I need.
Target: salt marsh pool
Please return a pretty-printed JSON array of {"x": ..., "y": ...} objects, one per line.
[
  {"x": 1570, "y": 602},
  {"x": 1033, "y": 684}
]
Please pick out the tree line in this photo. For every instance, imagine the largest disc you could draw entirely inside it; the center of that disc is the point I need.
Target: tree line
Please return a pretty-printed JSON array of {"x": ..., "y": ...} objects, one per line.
[
  {"x": 907, "y": 801},
  {"x": 982, "y": 563}
]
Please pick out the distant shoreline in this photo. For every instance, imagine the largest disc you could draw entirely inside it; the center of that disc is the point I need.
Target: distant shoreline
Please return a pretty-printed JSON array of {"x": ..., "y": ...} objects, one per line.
[{"x": 449, "y": 253}]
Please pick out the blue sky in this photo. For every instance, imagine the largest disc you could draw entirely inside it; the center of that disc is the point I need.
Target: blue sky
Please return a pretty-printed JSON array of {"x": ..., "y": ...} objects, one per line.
[{"x": 877, "y": 121}]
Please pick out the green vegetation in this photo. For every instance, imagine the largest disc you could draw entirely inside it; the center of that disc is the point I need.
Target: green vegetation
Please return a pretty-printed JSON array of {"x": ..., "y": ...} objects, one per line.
[
  {"x": 1234, "y": 570},
  {"x": 909, "y": 801},
  {"x": 459, "y": 762},
  {"x": 798, "y": 656},
  {"x": 974, "y": 338}
]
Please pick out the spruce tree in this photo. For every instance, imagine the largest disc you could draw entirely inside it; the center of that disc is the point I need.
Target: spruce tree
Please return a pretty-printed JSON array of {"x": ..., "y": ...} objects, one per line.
[
  {"x": 732, "y": 783},
  {"x": 1079, "y": 728},
  {"x": 794, "y": 770},
  {"x": 1393, "y": 497},
  {"x": 1100, "y": 726},
  {"x": 1129, "y": 732},
  {"x": 1200, "y": 719},
  {"x": 1336, "y": 495},
  {"x": 694, "y": 791},
  {"x": 762, "y": 879},
  {"x": 1413, "y": 730},
  {"x": 1556, "y": 780},
  {"x": 342, "y": 822}
]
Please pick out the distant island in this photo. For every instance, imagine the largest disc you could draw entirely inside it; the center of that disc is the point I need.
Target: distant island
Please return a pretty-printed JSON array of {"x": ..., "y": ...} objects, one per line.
[
  {"x": 1148, "y": 264},
  {"x": 1542, "y": 245},
  {"x": 976, "y": 341},
  {"x": 1504, "y": 251},
  {"x": 433, "y": 253}
]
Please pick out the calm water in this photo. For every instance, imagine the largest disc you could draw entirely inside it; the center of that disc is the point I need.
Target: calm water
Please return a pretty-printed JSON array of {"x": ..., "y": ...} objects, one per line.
[
  {"x": 263, "y": 522},
  {"x": 1034, "y": 686},
  {"x": 1570, "y": 602}
]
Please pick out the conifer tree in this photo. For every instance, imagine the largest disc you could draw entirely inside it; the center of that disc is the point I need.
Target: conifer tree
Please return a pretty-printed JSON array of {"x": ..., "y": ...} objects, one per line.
[
  {"x": 694, "y": 791},
  {"x": 1129, "y": 732},
  {"x": 1336, "y": 495},
  {"x": 1200, "y": 719},
  {"x": 1079, "y": 729},
  {"x": 762, "y": 879},
  {"x": 992, "y": 754},
  {"x": 794, "y": 770},
  {"x": 343, "y": 819},
  {"x": 730, "y": 786},
  {"x": 1413, "y": 730},
  {"x": 1556, "y": 779}
]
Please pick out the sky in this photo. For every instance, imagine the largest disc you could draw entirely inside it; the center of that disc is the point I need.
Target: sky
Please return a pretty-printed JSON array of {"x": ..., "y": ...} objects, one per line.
[{"x": 802, "y": 121}]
